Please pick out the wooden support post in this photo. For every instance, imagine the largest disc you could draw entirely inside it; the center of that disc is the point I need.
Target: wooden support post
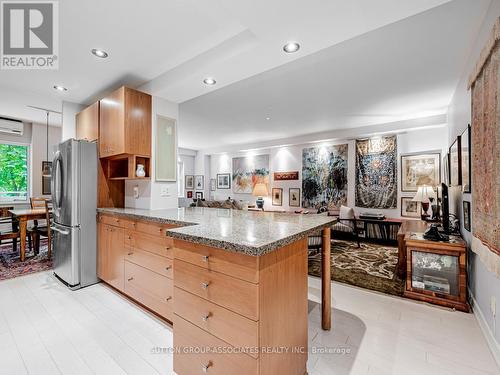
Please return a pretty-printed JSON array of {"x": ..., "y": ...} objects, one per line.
[{"x": 326, "y": 290}]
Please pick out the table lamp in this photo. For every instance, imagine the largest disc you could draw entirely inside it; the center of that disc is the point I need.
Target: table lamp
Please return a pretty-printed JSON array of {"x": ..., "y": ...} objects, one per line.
[
  {"x": 259, "y": 191},
  {"x": 424, "y": 195}
]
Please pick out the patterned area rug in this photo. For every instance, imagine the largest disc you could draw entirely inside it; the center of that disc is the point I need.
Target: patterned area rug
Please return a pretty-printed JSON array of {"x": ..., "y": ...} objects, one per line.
[
  {"x": 371, "y": 266},
  {"x": 11, "y": 265}
]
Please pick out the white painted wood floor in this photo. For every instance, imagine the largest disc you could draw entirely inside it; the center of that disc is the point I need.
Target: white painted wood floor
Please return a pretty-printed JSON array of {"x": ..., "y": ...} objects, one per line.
[{"x": 47, "y": 329}]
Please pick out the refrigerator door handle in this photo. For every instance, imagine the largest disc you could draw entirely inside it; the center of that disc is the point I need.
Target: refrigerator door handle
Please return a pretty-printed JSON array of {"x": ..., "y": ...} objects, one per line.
[
  {"x": 64, "y": 232},
  {"x": 57, "y": 181}
]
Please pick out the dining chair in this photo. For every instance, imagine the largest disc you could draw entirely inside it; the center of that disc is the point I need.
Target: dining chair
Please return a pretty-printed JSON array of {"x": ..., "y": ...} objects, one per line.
[
  {"x": 9, "y": 228},
  {"x": 37, "y": 203},
  {"x": 44, "y": 230}
]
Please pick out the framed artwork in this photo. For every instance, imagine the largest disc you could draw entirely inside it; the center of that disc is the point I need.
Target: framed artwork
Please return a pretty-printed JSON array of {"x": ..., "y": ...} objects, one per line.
[
  {"x": 446, "y": 169},
  {"x": 199, "y": 182},
  {"x": 248, "y": 171},
  {"x": 465, "y": 156},
  {"x": 420, "y": 169},
  {"x": 199, "y": 195},
  {"x": 294, "y": 197},
  {"x": 409, "y": 208},
  {"x": 286, "y": 176},
  {"x": 466, "y": 215},
  {"x": 189, "y": 194},
  {"x": 455, "y": 164},
  {"x": 46, "y": 177},
  {"x": 166, "y": 149},
  {"x": 224, "y": 181},
  {"x": 189, "y": 182},
  {"x": 277, "y": 195},
  {"x": 212, "y": 184}
]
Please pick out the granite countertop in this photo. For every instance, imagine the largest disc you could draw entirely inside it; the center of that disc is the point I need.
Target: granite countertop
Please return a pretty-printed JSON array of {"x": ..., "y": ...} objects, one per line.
[{"x": 248, "y": 232}]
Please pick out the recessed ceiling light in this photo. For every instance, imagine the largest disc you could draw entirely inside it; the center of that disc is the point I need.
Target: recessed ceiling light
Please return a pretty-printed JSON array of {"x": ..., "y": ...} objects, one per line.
[
  {"x": 291, "y": 47},
  {"x": 268, "y": 118},
  {"x": 60, "y": 88},
  {"x": 209, "y": 81},
  {"x": 99, "y": 53}
]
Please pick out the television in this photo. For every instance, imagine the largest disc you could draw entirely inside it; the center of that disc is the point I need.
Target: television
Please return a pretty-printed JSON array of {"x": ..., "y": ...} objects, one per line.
[{"x": 445, "y": 208}]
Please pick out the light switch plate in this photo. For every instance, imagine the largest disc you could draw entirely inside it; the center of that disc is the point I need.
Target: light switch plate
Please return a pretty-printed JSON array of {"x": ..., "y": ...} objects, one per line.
[{"x": 164, "y": 192}]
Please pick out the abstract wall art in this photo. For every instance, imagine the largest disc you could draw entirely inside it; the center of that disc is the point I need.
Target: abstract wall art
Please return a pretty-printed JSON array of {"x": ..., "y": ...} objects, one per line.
[
  {"x": 324, "y": 176},
  {"x": 376, "y": 173},
  {"x": 249, "y": 170}
]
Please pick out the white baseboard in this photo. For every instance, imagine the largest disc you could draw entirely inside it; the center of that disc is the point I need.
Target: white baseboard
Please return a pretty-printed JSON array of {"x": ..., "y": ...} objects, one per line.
[{"x": 490, "y": 338}]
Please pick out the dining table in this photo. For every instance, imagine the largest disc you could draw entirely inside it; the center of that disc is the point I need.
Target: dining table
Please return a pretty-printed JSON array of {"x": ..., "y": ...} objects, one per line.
[{"x": 23, "y": 216}]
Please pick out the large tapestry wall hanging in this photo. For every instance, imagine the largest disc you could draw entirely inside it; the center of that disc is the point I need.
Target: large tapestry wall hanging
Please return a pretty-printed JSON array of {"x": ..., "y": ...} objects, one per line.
[
  {"x": 376, "y": 173},
  {"x": 324, "y": 176},
  {"x": 485, "y": 84}
]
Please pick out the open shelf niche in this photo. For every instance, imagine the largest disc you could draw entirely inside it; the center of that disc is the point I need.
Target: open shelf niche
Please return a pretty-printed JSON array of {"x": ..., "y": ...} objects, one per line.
[{"x": 123, "y": 167}]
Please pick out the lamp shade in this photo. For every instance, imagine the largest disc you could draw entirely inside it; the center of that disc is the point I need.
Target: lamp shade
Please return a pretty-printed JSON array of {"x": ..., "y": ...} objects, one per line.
[
  {"x": 260, "y": 190},
  {"x": 424, "y": 193}
]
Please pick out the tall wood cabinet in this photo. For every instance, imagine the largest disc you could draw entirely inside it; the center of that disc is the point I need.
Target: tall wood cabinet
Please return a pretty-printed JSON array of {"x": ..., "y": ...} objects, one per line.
[
  {"x": 125, "y": 123},
  {"x": 87, "y": 123}
]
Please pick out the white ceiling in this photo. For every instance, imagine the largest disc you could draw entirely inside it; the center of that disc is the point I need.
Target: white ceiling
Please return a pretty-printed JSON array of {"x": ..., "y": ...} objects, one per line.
[
  {"x": 168, "y": 46},
  {"x": 176, "y": 43},
  {"x": 408, "y": 69}
]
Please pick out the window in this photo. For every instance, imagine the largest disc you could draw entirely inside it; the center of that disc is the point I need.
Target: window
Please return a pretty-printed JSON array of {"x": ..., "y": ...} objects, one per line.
[
  {"x": 14, "y": 172},
  {"x": 180, "y": 179}
]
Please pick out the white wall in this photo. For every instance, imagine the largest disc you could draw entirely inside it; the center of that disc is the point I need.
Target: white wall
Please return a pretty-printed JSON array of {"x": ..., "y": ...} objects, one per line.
[
  {"x": 289, "y": 158},
  {"x": 153, "y": 194},
  {"x": 69, "y": 111},
  {"x": 483, "y": 284}
]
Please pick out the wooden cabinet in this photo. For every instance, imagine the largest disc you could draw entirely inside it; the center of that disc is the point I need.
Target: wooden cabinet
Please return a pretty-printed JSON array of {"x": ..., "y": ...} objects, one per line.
[
  {"x": 260, "y": 302},
  {"x": 437, "y": 271},
  {"x": 135, "y": 257},
  {"x": 87, "y": 123},
  {"x": 125, "y": 123},
  {"x": 111, "y": 253}
]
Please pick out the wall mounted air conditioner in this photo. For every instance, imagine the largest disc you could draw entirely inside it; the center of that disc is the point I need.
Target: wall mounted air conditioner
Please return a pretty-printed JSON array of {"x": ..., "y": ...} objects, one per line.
[{"x": 10, "y": 126}]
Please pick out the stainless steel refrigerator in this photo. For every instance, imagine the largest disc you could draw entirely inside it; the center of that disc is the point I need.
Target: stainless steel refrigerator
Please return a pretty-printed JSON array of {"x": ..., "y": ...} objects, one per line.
[{"x": 74, "y": 200}]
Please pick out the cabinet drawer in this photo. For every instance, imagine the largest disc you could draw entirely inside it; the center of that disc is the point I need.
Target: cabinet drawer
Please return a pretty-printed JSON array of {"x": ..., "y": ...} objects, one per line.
[
  {"x": 152, "y": 290},
  {"x": 160, "y": 245},
  {"x": 153, "y": 262},
  {"x": 117, "y": 221},
  {"x": 187, "y": 337},
  {"x": 241, "y": 266},
  {"x": 234, "y": 294},
  {"x": 220, "y": 322},
  {"x": 153, "y": 228}
]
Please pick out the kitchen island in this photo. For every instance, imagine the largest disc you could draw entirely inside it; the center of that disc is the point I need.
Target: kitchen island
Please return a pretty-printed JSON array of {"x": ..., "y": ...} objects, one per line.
[{"x": 233, "y": 283}]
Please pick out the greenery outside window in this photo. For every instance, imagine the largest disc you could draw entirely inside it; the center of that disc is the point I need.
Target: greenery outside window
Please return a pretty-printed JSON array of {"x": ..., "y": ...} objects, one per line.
[{"x": 14, "y": 167}]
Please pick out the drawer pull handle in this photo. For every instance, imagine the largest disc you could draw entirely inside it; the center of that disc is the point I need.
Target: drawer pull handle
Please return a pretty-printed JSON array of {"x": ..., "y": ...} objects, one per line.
[
  {"x": 205, "y": 285},
  {"x": 205, "y": 258},
  {"x": 129, "y": 237},
  {"x": 168, "y": 268},
  {"x": 168, "y": 298},
  {"x": 167, "y": 247},
  {"x": 130, "y": 279},
  {"x": 131, "y": 253},
  {"x": 205, "y": 317},
  {"x": 206, "y": 367}
]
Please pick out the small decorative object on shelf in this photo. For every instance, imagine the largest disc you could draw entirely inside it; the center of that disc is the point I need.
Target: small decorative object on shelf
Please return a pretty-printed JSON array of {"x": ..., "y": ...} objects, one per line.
[
  {"x": 140, "y": 172},
  {"x": 437, "y": 271}
]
